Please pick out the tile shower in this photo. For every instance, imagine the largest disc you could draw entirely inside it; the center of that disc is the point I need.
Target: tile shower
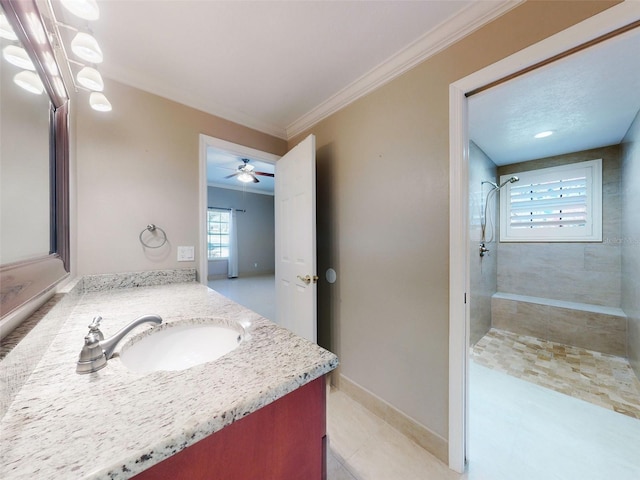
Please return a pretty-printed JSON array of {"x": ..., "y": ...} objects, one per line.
[{"x": 563, "y": 315}]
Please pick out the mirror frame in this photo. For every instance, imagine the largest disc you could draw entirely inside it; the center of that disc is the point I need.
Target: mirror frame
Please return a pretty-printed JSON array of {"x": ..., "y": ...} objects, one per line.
[{"x": 23, "y": 282}]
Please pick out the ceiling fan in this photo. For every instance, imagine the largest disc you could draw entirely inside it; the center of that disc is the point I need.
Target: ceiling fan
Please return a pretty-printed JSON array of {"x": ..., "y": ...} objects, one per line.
[{"x": 246, "y": 173}]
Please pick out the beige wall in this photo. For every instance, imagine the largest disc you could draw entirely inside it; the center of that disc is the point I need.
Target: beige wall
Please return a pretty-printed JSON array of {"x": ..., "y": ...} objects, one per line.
[
  {"x": 582, "y": 272},
  {"x": 630, "y": 240},
  {"x": 138, "y": 165},
  {"x": 383, "y": 217}
]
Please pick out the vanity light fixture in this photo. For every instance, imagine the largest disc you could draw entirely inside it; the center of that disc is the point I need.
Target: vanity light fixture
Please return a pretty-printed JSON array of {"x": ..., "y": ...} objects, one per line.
[
  {"x": 83, "y": 46},
  {"x": 6, "y": 31},
  {"x": 546, "y": 133},
  {"x": 90, "y": 78},
  {"x": 30, "y": 81},
  {"x": 85, "y": 9},
  {"x": 17, "y": 56},
  {"x": 99, "y": 102},
  {"x": 86, "y": 47}
]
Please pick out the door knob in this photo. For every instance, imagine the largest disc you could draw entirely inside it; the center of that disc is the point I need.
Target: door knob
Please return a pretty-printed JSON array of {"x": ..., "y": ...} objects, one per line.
[{"x": 308, "y": 278}]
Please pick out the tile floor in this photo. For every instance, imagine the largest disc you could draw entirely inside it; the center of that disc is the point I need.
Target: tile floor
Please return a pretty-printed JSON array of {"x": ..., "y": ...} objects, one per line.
[
  {"x": 595, "y": 377},
  {"x": 518, "y": 430},
  {"x": 364, "y": 447},
  {"x": 255, "y": 292}
]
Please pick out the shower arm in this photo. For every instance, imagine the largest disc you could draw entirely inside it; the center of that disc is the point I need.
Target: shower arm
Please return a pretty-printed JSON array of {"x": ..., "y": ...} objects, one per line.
[{"x": 495, "y": 186}]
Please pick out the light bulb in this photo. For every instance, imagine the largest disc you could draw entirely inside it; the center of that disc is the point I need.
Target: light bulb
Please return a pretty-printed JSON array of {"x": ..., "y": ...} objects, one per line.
[
  {"x": 6, "y": 30},
  {"x": 544, "y": 134},
  {"x": 29, "y": 81},
  {"x": 245, "y": 178},
  {"x": 90, "y": 78},
  {"x": 17, "y": 56},
  {"x": 86, "y": 47},
  {"x": 86, "y": 9},
  {"x": 99, "y": 102}
]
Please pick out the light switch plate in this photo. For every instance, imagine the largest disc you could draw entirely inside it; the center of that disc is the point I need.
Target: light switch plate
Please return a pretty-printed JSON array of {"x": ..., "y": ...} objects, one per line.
[{"x": 186, "y": 254}]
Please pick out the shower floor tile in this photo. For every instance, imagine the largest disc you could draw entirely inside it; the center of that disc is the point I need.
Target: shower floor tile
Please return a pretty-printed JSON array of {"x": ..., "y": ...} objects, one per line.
[{"x": 598, "y": 378}]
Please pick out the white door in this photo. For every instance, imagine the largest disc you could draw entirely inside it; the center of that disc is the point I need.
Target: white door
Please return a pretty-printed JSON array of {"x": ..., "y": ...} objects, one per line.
[{"x": 295, "y": 217}]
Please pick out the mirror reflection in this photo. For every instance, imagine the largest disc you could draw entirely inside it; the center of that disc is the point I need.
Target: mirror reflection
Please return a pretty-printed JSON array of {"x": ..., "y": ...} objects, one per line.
[{"x": 24, "y": 156}]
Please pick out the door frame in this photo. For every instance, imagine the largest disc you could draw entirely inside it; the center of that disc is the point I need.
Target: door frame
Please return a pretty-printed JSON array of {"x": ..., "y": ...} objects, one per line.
[
  {"x": 459, "y": 252},
  {"x": 235, "y": 149}
]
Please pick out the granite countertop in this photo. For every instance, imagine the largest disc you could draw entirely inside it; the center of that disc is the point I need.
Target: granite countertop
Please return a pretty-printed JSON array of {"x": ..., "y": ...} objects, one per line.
[{"x": 114, "y": 423}]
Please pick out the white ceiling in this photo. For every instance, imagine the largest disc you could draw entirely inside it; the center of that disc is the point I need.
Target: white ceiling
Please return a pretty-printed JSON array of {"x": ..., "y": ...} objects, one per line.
[
  {"x": 280, "y": 66},
  {"x": 273, "y": 65},
  {"x": 588, "y": 99},
  {"x": 276, "y": 66}
]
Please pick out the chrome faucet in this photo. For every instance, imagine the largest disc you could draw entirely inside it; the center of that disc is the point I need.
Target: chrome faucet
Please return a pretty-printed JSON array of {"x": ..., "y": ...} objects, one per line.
[{"x": 96, "y": 350}]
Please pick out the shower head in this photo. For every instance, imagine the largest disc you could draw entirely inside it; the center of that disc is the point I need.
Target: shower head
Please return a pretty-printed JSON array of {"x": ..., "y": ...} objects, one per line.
[
  {"x": 495, "y": 186},
  {"x": 513, "y": 179}
]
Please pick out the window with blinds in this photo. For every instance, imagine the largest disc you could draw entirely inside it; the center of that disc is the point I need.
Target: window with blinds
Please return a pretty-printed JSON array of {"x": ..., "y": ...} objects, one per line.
[{"x": 557, "y": 204}]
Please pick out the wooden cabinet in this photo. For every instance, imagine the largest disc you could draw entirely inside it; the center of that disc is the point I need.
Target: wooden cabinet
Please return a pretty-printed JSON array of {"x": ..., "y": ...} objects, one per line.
[{"x": 285, "y": 440}]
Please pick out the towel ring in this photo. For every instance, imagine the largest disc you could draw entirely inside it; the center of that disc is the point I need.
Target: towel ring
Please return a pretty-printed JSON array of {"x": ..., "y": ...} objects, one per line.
[{"x": 152, "y": 228}]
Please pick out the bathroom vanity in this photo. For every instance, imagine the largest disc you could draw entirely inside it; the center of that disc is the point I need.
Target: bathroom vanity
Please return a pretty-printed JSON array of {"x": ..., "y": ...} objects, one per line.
[{"x": 256, "y": 412}]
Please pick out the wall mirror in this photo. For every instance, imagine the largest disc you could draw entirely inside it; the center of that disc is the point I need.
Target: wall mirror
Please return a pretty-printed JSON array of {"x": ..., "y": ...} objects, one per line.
[{"x": 34, "y": 152}]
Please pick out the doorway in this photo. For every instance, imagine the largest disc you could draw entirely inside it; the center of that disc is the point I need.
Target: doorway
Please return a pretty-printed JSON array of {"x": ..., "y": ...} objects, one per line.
[
  {"x": 234, "y": 151},
  {"x": 252, "y": 210},
  {"x": 609, "y": 20}
]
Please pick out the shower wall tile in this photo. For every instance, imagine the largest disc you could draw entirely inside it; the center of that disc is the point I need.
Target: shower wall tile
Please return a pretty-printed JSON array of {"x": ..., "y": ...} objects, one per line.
[
  {"x": 630, "y": 239},
  {"x": 575, "y": 272},
  {"x": 602, "y": 332},
  {"x": 593, "y": 331},
  {"x": 519, "y": 317},
  {"x": 483, "y": 270},
  {"x": 602, "y": 258}
]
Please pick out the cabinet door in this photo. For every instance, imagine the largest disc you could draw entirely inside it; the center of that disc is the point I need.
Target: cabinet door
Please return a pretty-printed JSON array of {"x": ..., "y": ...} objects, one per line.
[{"x": 285, "y": 440}]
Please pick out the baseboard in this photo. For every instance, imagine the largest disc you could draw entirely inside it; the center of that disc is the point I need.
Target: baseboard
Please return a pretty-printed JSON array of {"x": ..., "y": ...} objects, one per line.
[
  {"x": 224, "y": 276},
  {"x": 430, "y": 441}
]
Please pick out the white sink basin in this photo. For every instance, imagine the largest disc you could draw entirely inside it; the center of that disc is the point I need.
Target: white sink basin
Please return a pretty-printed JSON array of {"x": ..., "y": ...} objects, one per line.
[{"x": 180, "y": 345}]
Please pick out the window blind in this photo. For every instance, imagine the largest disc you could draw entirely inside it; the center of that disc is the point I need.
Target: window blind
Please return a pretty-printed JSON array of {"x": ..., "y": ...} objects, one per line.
[
  {"x": 560, "y": 203},
  {"x": 555, "y": 204}
]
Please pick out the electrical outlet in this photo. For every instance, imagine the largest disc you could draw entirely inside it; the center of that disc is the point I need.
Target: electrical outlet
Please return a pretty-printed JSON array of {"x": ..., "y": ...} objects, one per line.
[{"x": 186, "y": 254}]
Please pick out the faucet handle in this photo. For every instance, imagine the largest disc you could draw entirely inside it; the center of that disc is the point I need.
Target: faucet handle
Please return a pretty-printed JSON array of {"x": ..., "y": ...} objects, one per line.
[
  {"x": 95, "y": 324},
  {"x": 94, "y": 327}
]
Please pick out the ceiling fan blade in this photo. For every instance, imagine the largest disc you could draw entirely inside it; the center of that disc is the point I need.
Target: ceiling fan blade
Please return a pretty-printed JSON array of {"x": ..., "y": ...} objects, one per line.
[
  {"x": 264, "y": 174},
  {"x": 255, "y": 180},
  {"x": 233, "y": 175}
]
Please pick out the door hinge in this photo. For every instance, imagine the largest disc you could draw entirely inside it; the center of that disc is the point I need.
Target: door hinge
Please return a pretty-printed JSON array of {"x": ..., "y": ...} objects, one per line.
[{"x": 465, "y": 297}]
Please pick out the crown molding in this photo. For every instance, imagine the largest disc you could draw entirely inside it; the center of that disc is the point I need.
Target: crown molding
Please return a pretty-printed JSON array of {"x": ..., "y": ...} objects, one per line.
[{"x": 434, "y": 41}]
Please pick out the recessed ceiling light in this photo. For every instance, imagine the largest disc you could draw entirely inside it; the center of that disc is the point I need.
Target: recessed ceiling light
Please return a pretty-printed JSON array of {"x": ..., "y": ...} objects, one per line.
[{"x": 543, "y": 134}]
